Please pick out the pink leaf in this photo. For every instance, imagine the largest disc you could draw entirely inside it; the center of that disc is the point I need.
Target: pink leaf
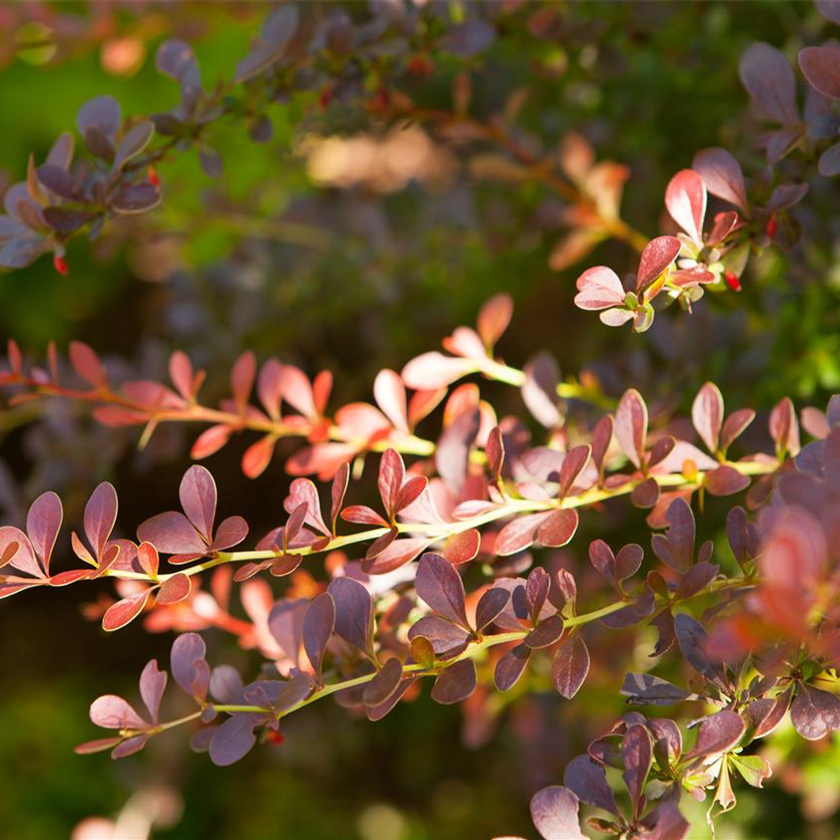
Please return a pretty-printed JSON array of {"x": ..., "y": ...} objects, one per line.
[
  {"x": 599, "y": 288},
  {"x": 198, "y": 499},
  {"x": 434, "y": 370},
  {"x": 113, "y": 712},
  {"x": 42, "y": 525},
  {"x": 685, "y": 199},
  {"x": 242, "y": 379},
  {"x": 101, "y": 516},
  {"x": 389, "y": 391},
  {"x": 270, "y": 387}
]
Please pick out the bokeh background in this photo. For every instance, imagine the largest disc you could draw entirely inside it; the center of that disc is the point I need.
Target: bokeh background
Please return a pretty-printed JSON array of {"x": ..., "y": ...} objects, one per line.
[{"x": 352, "y": 245}]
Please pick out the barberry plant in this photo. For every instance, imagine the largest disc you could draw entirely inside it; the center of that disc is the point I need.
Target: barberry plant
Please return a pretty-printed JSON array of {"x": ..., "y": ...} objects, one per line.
[{"x": 416, "y": 540}]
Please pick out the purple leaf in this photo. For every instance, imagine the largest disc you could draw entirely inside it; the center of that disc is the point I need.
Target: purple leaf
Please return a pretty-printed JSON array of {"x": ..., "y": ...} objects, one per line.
[
  {"x": 42, "y": 525},
  {"x": 353, "y": 611},
  {"x": 637, "y": 757},
  {"x": 152, "y": 685},
  {"x": 453, "y": 448},
  {"x": 722, "y": 175},
  {"x": 555, "y": 812},
  {"x": 440, "y": 586},
  {"x": 510, "y": 667},
  {"x": 718, "y": 734},
  {"x": 491, "y": 603},
  {"x": 645, "y": 688},
  {"x": 234, "y": 738},
  {"x": 172, "y": 533},
  {"x": 101, "y": 516},
  {"x": 821, "y": 67},
  {"x": 384, "y": 684},
  {"x": 692, "y": 639},
  {"x": 815, "y": 713},
  {"x": 768, "y": 78},
  {"x": 726, "y": 481},
  {"x": 455, "y": 683},
  {"x": 570, "y": 666},
  {"x": 198, "y": 499},
  {"x": 545, "y": 634},
  {"x": 588, "y": 781},
  {"x": 285, "y": 622},
  {"x": 318, "y": 626},
  {"x": 225, "y": 684},
  {"x": 445, "y": 637},
  {"x": 187, "y": 652}
]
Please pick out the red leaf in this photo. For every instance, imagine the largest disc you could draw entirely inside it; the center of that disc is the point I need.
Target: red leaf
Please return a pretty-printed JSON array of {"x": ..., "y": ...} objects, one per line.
[
  {"x": 86, "y": 363},
  {"x": 148, "y": 559},
  {"x": 725, "y": 481},
  {"x": 242, "y": 380},
  {"x": 362, "y": 515},
  {"x": 210, "y": 441},
  {"x": 258, "y": 456},
  {"x": 518, "y": 534},
  {"x": 423, "y": 403},
  {"x": 455, "y": 683},
  {"x": 659, "y": 253},
  {"x": 494, "y": 317},
  {"x": 121, "y": 613},
  {"x": 174, "y": 589},
  {"x": 559, "y": 528},
  {"x": 463, "y": 547},
  {"x": 391, "y": 475},
  {"x": 181, "y": 374},
  {"x": 397, "y": 554}
]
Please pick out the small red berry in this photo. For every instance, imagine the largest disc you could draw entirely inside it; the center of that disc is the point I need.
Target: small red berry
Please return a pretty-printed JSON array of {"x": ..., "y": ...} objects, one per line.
[
  {"x": 61, "y": 265},
  {"x": 154, "y": 180},
  {"x": 274, "y": 736},
  {"x": 772, "y": 226},
  {"x": 732, "y": 281},
  {"x": 421, "y": 65},
  {"x": 325, "y": 97}
]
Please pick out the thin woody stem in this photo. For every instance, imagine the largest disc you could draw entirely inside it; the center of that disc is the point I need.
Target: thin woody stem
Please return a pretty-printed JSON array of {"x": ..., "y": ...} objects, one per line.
[
  {"x": 417, "y": 670},
  {"x": 440, "y": 531}
]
